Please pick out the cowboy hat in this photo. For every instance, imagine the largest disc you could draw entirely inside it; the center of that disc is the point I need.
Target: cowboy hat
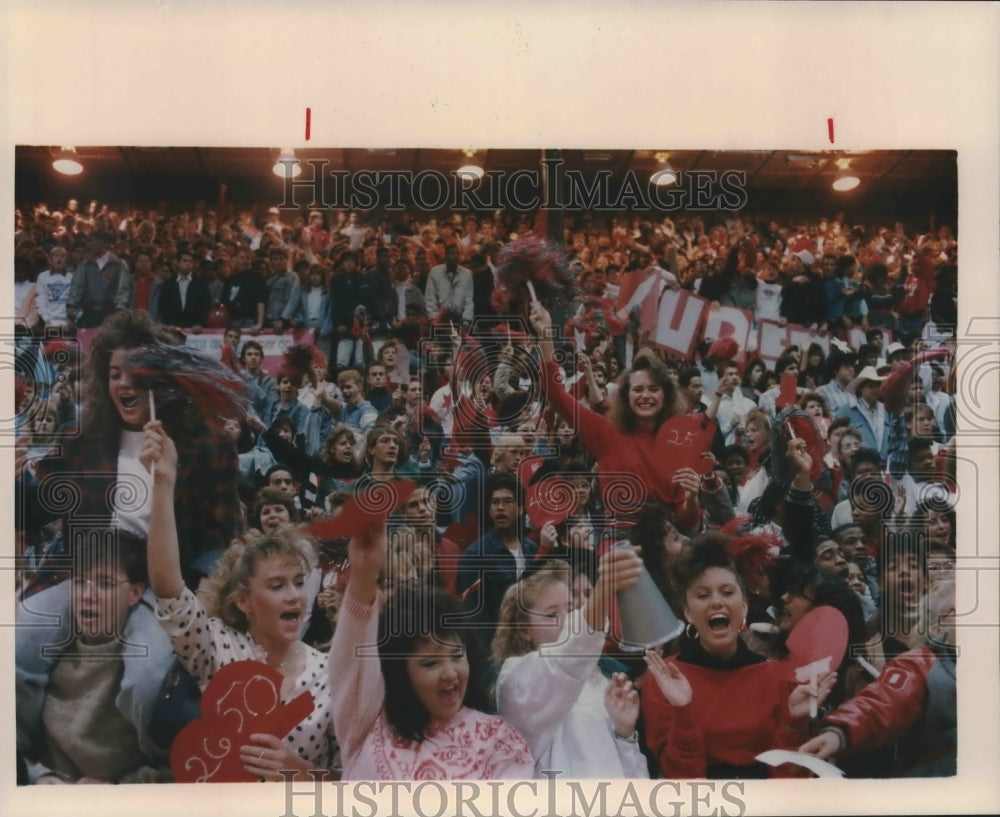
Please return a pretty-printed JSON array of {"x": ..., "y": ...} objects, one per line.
[{"x": 867, "y": 373}]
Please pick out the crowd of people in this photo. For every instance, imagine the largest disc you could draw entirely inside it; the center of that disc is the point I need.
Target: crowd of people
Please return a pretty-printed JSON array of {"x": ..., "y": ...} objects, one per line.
[{"x": 192, "y": 526}]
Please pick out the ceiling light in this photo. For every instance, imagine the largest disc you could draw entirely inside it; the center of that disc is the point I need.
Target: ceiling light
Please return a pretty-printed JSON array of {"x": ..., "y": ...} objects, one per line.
[
  {"x": 845, "y": 179},
  {"x": 666, "y": 175},
  {"x": 846, "y": 182},
  {"x": 287, "y": 164},
  {"x": 662, "y": 178},
  {"x": 67, "y": 162},
  {"x": 469, "y": 153},
  {"x": 470, "y": 172}
]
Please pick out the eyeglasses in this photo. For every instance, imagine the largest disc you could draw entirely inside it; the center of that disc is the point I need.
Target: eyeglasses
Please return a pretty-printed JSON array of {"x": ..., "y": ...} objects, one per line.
[
  {"x": 102, "y": 585},
  {"x": 501, "y": 502}
]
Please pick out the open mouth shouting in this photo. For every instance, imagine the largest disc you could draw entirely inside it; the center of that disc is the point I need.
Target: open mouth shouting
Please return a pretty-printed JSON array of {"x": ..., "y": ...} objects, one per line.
[
  {"x": 133, "y": 407},
  {"x": 451, "y": 696},
  {"x": 718, "y": 622},
  {"x": 291, "y": 617}
]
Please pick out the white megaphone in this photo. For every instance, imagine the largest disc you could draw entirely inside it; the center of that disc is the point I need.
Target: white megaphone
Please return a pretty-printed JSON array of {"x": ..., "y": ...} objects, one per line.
[{"x": 646, "y": 619}]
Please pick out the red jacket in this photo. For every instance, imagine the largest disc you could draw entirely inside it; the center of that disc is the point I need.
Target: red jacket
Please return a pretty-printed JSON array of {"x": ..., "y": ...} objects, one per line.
[{"x": 913, "y": 699}]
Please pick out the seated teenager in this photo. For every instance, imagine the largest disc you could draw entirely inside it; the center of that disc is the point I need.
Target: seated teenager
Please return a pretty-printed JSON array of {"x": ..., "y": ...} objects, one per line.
[{"x": 87, "y": 720}]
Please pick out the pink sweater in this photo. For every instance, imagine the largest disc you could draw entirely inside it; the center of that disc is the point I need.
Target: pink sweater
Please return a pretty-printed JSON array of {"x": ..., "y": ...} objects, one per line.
[{"x": 472, "y": 745}]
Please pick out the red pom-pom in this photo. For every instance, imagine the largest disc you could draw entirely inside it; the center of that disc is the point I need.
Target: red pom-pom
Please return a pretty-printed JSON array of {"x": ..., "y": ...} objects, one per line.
[
  {"x": 59, "y": 349},
  {"x": 754, "y": 553},
  {"x": 298, "y": 360},
  {"x": 535, "y": 260},
  {"x": 180, "y": 374}
]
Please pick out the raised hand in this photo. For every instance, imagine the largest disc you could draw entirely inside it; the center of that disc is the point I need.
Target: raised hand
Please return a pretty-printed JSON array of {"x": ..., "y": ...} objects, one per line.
[
  {"x": 621, "y": 701},
  {"x": 798, "y": 457},
  {"x": 366, "y": 554},
  {"x": 688, "y": 480},
  {"x": 158, "y": 452},
  {"x": 540, "y": 319},
  {"x": 266, "y": 756},
  {"x": 671, "y": 681},
  {"x": 618, "y": 568},
  {"x": 548, "y": 537},
  {"x": 899, "y": 502}
]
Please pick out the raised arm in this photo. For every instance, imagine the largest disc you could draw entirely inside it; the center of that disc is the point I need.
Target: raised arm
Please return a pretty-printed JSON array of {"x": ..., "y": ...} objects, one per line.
[
  {"x": 526, "y": 684},
  {"x": 357, "y": 689},
  {"x": 593, "y": 428},
  {"x": 159, "y": 453}
]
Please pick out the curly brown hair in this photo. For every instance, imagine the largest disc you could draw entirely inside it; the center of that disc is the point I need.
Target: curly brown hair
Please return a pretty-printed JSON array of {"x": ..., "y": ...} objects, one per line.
[
  {"x": 338, "y": 431},
  {"x": 121, "y": 330},
  {"x": 621, "y": 412}
]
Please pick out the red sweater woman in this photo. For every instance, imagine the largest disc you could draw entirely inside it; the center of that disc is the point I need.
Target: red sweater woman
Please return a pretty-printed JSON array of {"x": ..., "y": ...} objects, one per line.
[
  {"x": 624, "y": 442},
  {"x": 711, "y": 709}
]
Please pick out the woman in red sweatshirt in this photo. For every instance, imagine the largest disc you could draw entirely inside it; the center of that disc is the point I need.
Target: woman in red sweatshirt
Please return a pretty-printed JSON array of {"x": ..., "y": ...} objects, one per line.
[
  {"x": 624, "y": 442},
  {"x": 713, "y": 707}
]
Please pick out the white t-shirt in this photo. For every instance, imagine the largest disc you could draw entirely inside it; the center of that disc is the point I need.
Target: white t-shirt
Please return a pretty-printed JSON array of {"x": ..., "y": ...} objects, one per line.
[
  {"x": 768, "y": 302},
  {"x": 134, "y": 489}
]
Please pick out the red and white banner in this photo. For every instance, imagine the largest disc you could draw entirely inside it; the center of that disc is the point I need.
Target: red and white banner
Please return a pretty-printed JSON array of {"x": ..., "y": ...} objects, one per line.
[
  {"x": 678, "y": 319},
  {"x": 773, "y": 339},
  {"x": 729, "y": 322},
  {"x": 209, "y": 341}
]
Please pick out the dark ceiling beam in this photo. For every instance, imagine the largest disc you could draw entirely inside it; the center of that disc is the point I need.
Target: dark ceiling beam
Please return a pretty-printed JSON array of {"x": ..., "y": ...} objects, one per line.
[
  {"x": 124, "y": 153},
  {"x": 906, "y": 155},
  {"x": 201, "y": 162},
  {"x": 628, "y": 156},
  {"x": 761, "y": 166}
]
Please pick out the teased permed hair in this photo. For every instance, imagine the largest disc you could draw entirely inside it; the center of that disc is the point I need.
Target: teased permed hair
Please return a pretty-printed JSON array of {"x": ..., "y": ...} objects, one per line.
[
  {"x": 239, "y": 563},
  {"x": 704, "y": 551}
]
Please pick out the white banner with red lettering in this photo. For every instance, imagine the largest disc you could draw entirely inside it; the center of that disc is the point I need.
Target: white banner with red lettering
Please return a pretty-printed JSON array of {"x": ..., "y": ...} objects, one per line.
[
  {"x": 683, "y": 318},
  {"x": 678, "y": 319},
  {"x": 209, "y": 341}
]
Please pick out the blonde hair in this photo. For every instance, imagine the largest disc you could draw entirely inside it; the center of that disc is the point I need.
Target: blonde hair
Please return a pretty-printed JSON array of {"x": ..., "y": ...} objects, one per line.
[
  {"x": 512, "y": 637},
  {"x": 506, "y": 443},
  {"x": 350, "y": 376},
  {"x": 238, "y": 565}
]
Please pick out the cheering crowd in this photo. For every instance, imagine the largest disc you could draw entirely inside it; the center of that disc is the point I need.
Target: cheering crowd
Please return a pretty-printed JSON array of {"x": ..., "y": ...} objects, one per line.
[{"x": 176, "y": 512}]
